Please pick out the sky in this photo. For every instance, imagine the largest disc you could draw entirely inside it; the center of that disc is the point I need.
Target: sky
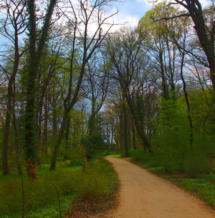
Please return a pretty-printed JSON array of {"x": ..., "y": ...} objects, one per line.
[{"x": 130, "y": 11}]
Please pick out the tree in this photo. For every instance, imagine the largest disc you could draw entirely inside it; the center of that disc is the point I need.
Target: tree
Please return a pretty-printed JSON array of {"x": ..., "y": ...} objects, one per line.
[
  {"x": 83, "y": 45},
  {"x": 162, "y": 49},
  {"x": 125, "y": 51},
  {"x": 95, "y": 88},
  {"x": 205, "y": 29},
  {"x": 36, "y": 47},
  {"x": 14, "y": 25}
]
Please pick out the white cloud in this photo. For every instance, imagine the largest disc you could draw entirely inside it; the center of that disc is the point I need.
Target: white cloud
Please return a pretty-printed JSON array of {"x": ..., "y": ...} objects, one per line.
[
  {"x": 205, "y": 2},
  {"x": 120, "y": 20},
  {"x": 125, "y": 20}
]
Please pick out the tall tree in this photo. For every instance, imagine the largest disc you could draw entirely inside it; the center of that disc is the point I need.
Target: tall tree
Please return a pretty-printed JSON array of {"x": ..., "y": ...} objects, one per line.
[
  {"x": 14, "y": 25},
  {"x": 95, "y": 88},
  {"x": 83, "y": 45},
  {"x": 129, "y": 67},
  {"x": 204, "y": 26},
  {"x": 36, "y": 47}
]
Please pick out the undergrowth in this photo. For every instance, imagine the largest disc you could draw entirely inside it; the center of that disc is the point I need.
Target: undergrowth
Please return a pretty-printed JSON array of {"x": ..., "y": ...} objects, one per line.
[{"x": 52, "y": 193}]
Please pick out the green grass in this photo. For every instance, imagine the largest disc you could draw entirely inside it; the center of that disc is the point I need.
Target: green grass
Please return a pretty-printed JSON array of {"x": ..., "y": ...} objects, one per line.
[
  {"x": 66, "y": 183},
  {"x": 202, "y": 187},
  {"x": 114, "y": 155}
]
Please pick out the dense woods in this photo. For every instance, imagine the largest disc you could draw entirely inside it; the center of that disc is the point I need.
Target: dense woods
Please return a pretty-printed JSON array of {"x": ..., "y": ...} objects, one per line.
[{"x": 72, "y": 89}]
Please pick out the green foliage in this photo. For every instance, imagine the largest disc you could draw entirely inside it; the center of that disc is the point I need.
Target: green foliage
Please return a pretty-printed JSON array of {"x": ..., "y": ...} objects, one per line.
[
  {"x": 41, "y": 194},
  {"x": 203, "y": 187},
  {"x": 161, "y": 28},
  {"x": 171, "y": 148},
  {"x": 94, "y": 145},
  {"x": 77, "y": 156},
  {"x": 191, "y": 161},
  {"x": 196, "y": 161}
]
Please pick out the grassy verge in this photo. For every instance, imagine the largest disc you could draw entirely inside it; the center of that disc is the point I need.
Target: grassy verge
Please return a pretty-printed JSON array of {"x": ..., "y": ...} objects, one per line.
[
  {"x": 53, "y": 193},
  {"x": 203, "y": 185}
]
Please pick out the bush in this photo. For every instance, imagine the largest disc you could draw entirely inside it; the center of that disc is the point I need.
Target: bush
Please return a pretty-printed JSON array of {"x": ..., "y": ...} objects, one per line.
[
  {"x": 77, "y": 156},
  {"x": 177, "y": 158},
  {"x": 139, "y": 155},
  {"x": 99, "y": 179},
  {"x": 94, "y": 145},
  {"x": 196, "y": 162}
]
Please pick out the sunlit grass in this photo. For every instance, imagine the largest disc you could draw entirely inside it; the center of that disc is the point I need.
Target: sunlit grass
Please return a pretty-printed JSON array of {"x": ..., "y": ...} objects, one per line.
[{"x": 42, "y": 196}]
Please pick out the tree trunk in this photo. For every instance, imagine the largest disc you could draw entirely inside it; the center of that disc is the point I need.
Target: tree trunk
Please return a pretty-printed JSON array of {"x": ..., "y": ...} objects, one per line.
[
  {"x": 187, "y": 101},
  {"x": 67, "y": 134},
  {"x": 30, "y": 150},
  {"x": 58, "y": 142},
  {"x": 133, "y": 136},
  {"x": 17, "y": 136},
  {"x": 125, "y": 128},
  {"x": 164, "y": 84},
  {"x": 138, "y": 125},
  {"x": 5, "y": 168},
  {"x": 35, "y": 54},
  {"x": 121, "y": 130},
  {"x": 206, "y": 39},
  {"x": 45, "y": 133}
]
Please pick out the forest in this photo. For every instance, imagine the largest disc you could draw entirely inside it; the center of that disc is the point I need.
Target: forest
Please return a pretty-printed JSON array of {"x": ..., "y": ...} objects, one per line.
[{"x": 74, "y": 88}]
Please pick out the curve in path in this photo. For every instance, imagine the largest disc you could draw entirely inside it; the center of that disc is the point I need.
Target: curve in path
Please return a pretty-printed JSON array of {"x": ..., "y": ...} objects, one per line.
[{"x": 145, "y": 195}]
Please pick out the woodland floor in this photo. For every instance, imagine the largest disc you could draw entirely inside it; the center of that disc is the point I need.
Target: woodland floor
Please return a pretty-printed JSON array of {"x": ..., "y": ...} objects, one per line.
[{"x": 145, "y": 195}]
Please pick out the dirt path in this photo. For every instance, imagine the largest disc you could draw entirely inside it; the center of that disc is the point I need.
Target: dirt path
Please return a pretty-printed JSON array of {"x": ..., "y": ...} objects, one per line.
[{"x": 144, "y": 195}]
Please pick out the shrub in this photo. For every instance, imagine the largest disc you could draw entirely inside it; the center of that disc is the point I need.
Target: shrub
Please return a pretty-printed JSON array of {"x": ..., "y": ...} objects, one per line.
[
  {"x": 98, "y": 180},
  {"x": 77, "y": 156},
  {"x": 196, "y": 162},
  {"x": 94, "y": 145}
]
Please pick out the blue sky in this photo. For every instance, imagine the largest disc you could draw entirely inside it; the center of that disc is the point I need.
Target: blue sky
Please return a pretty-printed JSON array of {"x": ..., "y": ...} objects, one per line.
[
  {"x": 133, "y": 7},
  {"x": 130, "y": 11}
]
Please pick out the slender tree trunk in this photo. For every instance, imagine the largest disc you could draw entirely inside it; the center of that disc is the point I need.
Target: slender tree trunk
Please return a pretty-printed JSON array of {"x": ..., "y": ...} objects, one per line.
[
  {"x": 128, "y": 128},
  {"x": 212, "y": 75},
  {"x": 6, "y": 131},
  {"x": 121, "y": 130},
  {"x": 164, "y": 84},
  {"x": 133, "y": 137},
  {"x": 138, "y": 125},
  {"x": 91, "y": 122},
  {"x": 17, "y": 136},
  {"x": 5, "y": 168},
  {"x": 125, "y": 128},
  {"x": 58, "y": 142},
  {"x": 67, "y": 134},
  {"x": 54, "y": 119},
  {"x": 40, "y": 125},
  {"x": 189, "y": 117},
  {"x": 45, "y": 133}
]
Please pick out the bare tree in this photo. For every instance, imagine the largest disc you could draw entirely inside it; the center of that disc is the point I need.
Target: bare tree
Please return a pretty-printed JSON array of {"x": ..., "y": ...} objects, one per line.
[
  {"x": 125, "y": 51},
  {"x": 204, "y": 25},
  {"x": 84, "y": 44},
  {"x": 95, "y": 87},
  {"x": 13, "y": 26}
]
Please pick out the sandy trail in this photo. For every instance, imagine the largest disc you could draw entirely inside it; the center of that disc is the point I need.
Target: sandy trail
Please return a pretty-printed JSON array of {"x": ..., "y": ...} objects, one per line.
[{"x": 145, "y": 195}]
